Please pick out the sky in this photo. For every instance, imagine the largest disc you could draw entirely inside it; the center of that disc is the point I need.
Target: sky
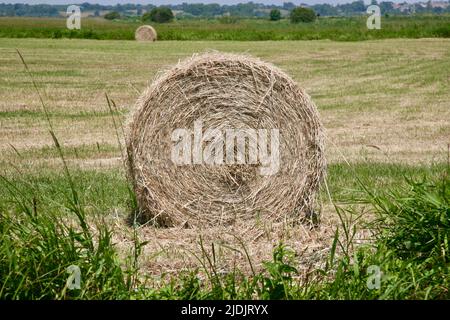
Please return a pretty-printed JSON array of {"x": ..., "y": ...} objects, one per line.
[{"x": 159, "y": 2}]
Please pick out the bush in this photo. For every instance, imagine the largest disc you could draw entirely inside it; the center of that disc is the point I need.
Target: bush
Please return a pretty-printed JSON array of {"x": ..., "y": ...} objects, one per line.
[
  {"x": 301, "y": 14},
  {"x": 146, "y": 17},
  {"x": 112, "y": 15},
  {"x": 443, "y": 32},
  {"x": 159, "y": 15},
  {"x": 411, "y": 237},
  {"x": 275, "y": 15},
  {"x": 415, "y": 220}
]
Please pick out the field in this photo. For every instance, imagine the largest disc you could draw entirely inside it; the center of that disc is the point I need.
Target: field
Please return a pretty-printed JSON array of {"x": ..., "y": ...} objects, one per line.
[
  {"x": 385, "y": 105},
  {"x": 339, "y": 29}
]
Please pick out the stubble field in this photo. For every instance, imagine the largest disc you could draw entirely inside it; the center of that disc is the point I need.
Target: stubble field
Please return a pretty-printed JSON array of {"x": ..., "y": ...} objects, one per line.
[{"x": 385, "y": 105}]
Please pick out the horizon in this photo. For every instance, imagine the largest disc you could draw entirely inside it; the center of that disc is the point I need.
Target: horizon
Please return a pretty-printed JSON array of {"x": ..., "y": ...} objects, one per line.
[{"x": 176, "y": 2}]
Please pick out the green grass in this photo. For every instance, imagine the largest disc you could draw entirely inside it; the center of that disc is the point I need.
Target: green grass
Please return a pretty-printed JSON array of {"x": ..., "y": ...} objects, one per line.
[
  {"x": 44, "y": 228},
  {"x": 340, "y": 29},
  {"x": 411, "y": 245},
  {"x": 344, "y": 180},
  {"x": 106, "y": 190}
]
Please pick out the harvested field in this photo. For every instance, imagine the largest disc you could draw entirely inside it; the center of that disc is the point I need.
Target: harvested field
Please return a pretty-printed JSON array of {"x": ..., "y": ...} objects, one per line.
[{"x": 385, "y": 107}]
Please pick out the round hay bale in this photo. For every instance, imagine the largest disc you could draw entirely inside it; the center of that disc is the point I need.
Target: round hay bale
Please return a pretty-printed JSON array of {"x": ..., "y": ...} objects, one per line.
[
  {"x": 190, "y": 107},
  {"x": 145, "y": 33}
]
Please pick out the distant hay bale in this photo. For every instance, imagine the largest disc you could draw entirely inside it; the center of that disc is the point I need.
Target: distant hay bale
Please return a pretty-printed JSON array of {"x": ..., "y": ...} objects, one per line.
[
  {"x": 224, "y": 92},
  {"x": 145, "y": 33}
]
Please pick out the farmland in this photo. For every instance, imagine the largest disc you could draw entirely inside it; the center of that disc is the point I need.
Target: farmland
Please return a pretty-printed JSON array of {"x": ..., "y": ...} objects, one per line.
[
  {"x": 385, "y": 107},
  {"x": 237, "y": 29}
]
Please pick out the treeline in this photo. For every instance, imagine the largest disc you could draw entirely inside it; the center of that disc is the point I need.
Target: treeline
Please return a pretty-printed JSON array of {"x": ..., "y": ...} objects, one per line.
[
  {"x": 250, "y": 9},
  {"x": 25, "y": 10}
]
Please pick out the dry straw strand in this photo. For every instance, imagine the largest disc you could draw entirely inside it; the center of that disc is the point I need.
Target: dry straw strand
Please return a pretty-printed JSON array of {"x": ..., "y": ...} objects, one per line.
[{"x": 224, "y": 91}]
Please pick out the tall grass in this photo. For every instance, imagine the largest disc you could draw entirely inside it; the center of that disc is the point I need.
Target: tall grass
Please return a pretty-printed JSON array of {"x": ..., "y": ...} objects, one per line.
[
  {"x": 340, "y": 29},
  {"x": 410, "y": 245},
  {"x": 38, "y": 248},
  {"x": 410, "y": 228}
]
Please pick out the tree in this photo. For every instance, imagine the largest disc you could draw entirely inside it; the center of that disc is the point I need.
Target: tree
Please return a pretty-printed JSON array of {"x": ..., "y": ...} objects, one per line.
[
  {"x": 112, "y": 15},
  {"x": 275, "y": 15},
  {"x": 301, "y": 14},
  {"x": 288, "y": 5},
  {"x": 159, "y": 15}
]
